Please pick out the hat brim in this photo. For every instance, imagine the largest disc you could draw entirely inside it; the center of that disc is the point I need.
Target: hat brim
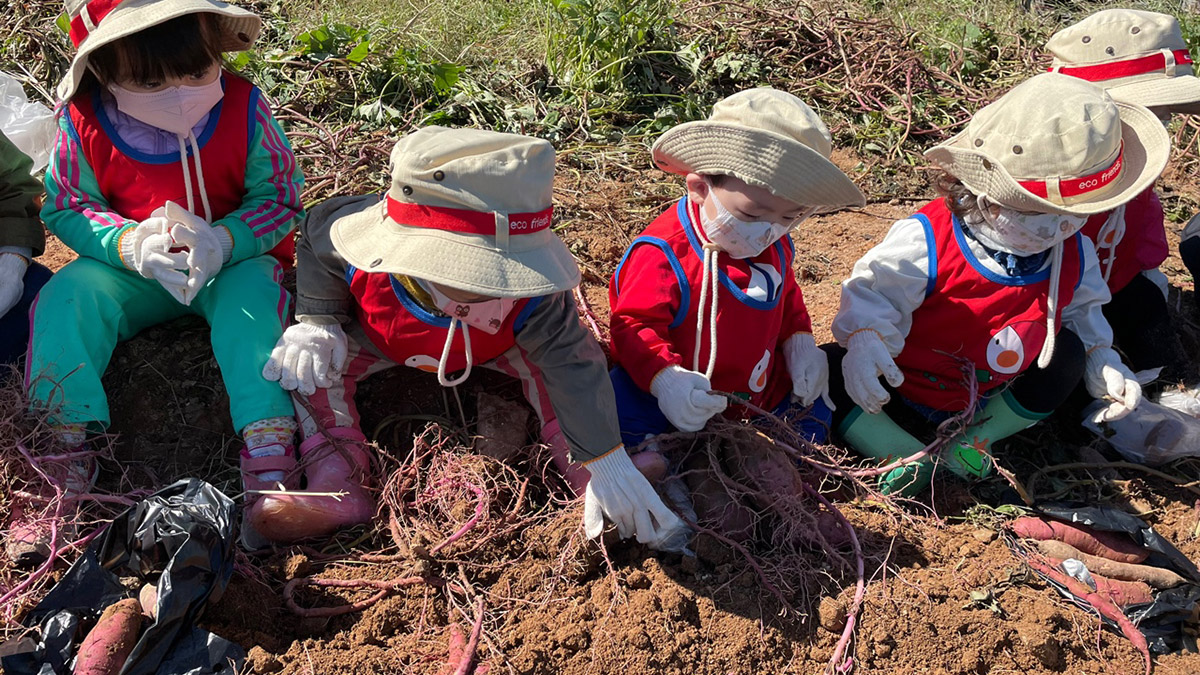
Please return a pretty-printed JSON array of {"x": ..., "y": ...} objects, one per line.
[
  {"x": 539, "y": 265},
  {"x": 1180, "y": 94},
  {"x": 1147, "y": 149},
  {"x": 803, "y": 175},
  {"x": 238, "y": 29}
]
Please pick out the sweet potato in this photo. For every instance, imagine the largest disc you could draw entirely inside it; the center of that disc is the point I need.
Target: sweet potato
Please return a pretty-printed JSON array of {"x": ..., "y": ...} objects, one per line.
[
  {"x": 1103, "y": 605},
  {"x": 108, "y": 645},
  {"x": 1123, "y": 593},
  {"x": 1155, "y": 576},
  {"x": 1095, "y": 542}
]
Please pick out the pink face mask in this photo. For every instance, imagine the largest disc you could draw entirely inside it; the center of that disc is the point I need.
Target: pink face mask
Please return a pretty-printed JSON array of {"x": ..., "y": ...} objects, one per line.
[
  {"x": 487, "y": 315},
  {"x": 174, "y": 109}
]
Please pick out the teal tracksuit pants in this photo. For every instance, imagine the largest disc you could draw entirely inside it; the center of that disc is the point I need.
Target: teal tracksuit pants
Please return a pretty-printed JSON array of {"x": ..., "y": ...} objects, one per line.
[{"x": 89, "y": 306}]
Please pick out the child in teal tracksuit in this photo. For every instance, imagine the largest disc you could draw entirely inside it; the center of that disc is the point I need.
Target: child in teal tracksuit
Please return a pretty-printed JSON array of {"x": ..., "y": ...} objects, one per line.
[{"x": 180, "y": 192}]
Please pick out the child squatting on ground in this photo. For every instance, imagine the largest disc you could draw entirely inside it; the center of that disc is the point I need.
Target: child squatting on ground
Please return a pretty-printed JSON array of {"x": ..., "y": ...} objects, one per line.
[
  {"x": 705, "y": 298},
  {"x": 173, "y": 182},
  {"x": 1137, "y": 57},
  {"x": 993, "y": 277},
  {"x": 456, "y": 267}
]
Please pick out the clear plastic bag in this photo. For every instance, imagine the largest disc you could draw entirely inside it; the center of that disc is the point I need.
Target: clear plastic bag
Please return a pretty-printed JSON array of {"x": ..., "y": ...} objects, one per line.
[
  {"x": 29, "y": 125},
  {"x": 1150, "y": 434},
  {"x": 1186, "y": 401}
]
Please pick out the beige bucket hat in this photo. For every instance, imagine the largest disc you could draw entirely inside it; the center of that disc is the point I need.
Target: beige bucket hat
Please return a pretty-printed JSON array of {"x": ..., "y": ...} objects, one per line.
[
  {"x": 767, "y": 138},
  {"x": 95, "y": 23},
  {"x": 467, "y": 208},
  {"x": 1057, "y": 144},
  {"x": 1139, "y": 57}
]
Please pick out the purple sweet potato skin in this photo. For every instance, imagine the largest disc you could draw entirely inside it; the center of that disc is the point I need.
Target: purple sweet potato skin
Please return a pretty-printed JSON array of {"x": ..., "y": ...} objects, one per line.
[
  {"x": 105, "y": 649},
  {"x": 1103, "y": 544}
]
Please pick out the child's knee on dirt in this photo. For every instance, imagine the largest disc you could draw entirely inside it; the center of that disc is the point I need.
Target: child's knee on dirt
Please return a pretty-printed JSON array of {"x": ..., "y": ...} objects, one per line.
[{"x": 971, "y": 292}]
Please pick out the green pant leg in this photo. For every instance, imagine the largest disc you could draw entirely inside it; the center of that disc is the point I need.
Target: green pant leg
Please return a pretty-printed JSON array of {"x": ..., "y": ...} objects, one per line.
[
  {"x": 247, "y": 308},
  {"x": 78, "y": 318}
]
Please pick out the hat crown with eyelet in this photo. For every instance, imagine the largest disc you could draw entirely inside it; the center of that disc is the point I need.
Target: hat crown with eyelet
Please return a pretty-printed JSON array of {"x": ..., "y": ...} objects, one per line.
[
  {"x": 777, "y": 112},
  {"x": 473, "y": 169},
  {"x": 1115, "y": 35},
  {"x": 1049, "y": 126}
]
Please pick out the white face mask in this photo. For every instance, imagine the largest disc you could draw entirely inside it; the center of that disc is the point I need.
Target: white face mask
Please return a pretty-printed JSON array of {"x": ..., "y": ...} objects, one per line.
[
  {"x": 741, "y": 239},
  {"x": 486, "y": 315},
  {"x": 1024, "y": 233},
  {"x": 174, "y": 109}
]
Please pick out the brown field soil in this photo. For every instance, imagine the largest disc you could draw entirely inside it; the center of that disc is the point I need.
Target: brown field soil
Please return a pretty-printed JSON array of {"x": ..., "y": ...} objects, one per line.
[{"x": 555, "y": 605}]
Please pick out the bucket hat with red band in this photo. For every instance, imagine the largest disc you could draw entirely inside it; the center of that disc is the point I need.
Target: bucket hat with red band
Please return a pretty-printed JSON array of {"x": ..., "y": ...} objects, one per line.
[
  {"x": 468, "y": 208},
  {"x": 1057, "y": 144},
  {"x": 1139, "y": 57},
  {"x": 767, "y": 138},
  {"x": 95, "y": 23}
]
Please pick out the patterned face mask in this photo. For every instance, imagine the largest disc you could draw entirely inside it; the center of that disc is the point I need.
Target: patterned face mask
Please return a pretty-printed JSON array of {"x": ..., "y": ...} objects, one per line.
[
  {"x": 739, "y": 238},
  {"x": 486, "y": 315},
  {"x": 1023, "y": 233}
]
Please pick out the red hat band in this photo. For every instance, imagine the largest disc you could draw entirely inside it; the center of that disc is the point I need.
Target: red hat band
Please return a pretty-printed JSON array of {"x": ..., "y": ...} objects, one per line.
[
  {"x": 1060, "y": 189},
  {"x": 1164, "y": 61},
  {"x": 90, "y": 16},
  {"x": 464, "y": 220}
]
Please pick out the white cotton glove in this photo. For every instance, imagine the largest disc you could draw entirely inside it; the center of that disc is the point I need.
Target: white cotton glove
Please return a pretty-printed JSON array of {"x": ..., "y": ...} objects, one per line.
[
  {"x": 866, "y": 359},
  {"x": 147, "y": 249},
  {"x": 12, "y": 280},
  {"x": 306, "y": 357},
  {"x": 684, "y": 399},
  {"x": 1108, "y": 379},
  {"x": 620, "y": 492},
  {"x": 808, "y": 366},
  {"x": 204, "y": 253}
]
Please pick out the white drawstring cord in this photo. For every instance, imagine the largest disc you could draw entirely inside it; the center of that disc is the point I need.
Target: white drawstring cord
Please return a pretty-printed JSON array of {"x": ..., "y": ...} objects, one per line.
[
  {"x": 1056, "y": 256},
  {"x": 441, "y": 371},
  {"x": 187, "y": 178},
  {"x": 1116, "y": 225},
  {"x": 708, "y": 278}
]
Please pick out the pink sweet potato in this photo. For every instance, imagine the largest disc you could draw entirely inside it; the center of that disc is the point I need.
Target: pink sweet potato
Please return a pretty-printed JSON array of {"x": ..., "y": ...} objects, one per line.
[
  {"x": 1158, "y": 577},
  {"x": 105, "y": 649},
  {"x": 148, "y": 599},
  {"x": 1123, "y": 593},
  {"x": 1095, "y": 542}
]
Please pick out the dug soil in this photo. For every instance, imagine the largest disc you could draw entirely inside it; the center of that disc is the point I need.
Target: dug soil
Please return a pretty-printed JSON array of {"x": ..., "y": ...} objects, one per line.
[{"x": 944, "y": 594}]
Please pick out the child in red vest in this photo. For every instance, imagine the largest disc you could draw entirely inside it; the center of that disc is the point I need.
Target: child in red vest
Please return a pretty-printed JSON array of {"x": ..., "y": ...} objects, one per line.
[
  {"x": 993, "y": 277},
  {"x": 457, "y": 267},
  {"x": 1137, "y": 57},
  {"x": 705, "y": 298},
  {"x": 175, "y": 185}
]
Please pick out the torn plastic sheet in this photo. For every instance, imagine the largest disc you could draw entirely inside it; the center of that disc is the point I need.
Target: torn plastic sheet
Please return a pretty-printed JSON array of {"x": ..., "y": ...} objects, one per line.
[
  {"x": 181, "y": 538},
  {"x": 1162, "y": 621}
]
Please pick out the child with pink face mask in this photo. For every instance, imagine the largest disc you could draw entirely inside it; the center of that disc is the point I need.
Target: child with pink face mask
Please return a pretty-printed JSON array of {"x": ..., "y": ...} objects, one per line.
[{"x": 179, "y": 191}]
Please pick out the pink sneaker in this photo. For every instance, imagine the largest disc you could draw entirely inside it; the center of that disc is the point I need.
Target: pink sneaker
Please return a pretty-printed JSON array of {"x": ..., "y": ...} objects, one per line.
[{"x": 337, "y": 465}]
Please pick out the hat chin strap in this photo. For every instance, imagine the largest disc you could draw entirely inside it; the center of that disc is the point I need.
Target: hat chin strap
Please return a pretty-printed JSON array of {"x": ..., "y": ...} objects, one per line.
[
  {"x": 187, "y": 179},
  {"x": 441, "y": 371},
  {"x": 1056, "y": 256},
  {"x": 708, "y": 279},
  {"x": 1116, "y": 226}
]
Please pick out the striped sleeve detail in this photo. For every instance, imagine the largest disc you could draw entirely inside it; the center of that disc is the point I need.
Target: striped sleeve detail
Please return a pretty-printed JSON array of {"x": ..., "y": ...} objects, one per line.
[
  {"x": 69, "y": 180},
  {"x": 285, "y": 177}
]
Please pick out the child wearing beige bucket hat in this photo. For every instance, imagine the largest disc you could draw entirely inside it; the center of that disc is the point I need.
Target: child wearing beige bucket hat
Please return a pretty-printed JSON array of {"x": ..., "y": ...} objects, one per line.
[
  {"x": 456, "y": 267},
  {"x": 1137, "y": 57},
  {"x": 179, "y": 191},
  {"x": 992, "y": 281},
  {"x": 705, "y": 298}
]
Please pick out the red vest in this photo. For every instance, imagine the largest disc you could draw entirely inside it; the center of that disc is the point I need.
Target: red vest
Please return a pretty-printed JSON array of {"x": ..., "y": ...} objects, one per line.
[
  {"x": 407, "y": 333},
  {"x": 135, "y": 183},
  {"x": 996, "y": 322},
  {"x": 1142, "y": 247},
  {"x": 749, "y": 357}
]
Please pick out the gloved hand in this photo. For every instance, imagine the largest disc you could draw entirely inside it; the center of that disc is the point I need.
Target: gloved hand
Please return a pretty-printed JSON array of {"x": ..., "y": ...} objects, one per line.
[
  {"x": 147, "y": 249},
  {"x": 866, "y": 359},
  {"x": 618, "y": 490},
  {"x": 12, "y": 280},
  {"x": 684, "y": 399},
  {"x": 204, "y": 255},
  {"x": 1107, "y": 378},
  {"x": 306, "y": 357},
  {"x": 809, "y": 369}
]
